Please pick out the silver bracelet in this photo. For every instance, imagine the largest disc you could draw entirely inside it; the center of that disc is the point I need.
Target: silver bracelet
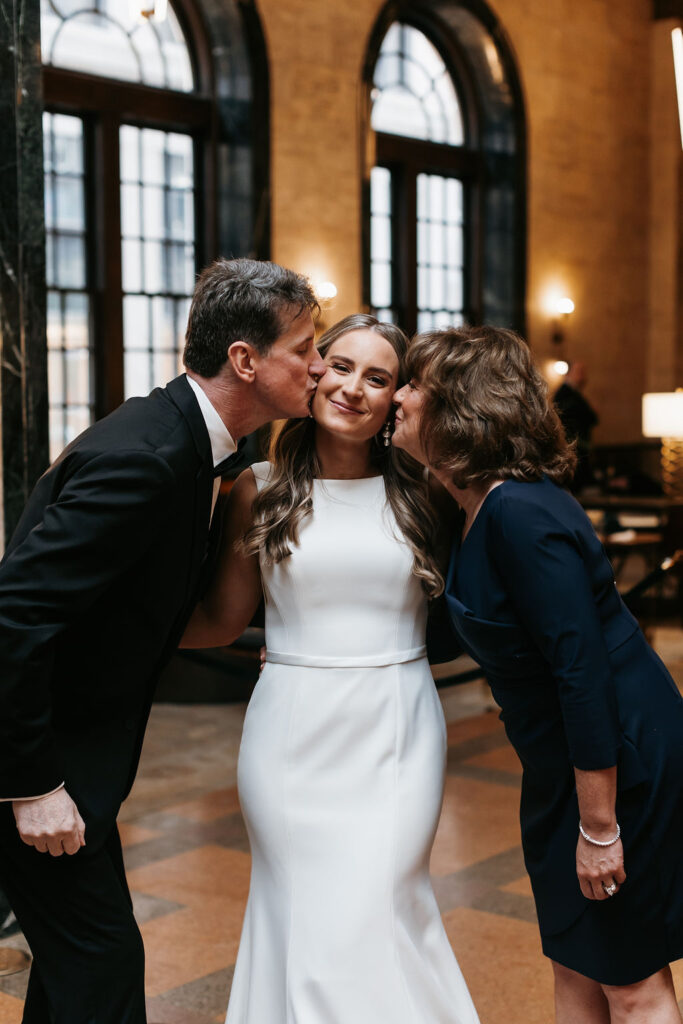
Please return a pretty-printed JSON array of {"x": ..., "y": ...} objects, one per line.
[{"x": 599, "y": 842}]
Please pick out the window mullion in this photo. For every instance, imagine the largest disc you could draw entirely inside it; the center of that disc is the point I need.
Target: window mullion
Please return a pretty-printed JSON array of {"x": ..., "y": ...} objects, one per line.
[
  {"x": 405, "y": 246},
  {"x": 109, "y": 291}
]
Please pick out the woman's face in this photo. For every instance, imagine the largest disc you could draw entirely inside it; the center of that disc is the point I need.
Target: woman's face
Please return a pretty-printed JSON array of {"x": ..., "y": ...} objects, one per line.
[
  {"x": 354, "y": 396},
  {"x": 410, "y": 400}
]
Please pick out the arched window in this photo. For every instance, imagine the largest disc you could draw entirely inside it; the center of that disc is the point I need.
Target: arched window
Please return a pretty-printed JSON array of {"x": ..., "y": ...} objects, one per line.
[
  {"x": 435, "y": 198},
  {"x": 132, "y": 154}
]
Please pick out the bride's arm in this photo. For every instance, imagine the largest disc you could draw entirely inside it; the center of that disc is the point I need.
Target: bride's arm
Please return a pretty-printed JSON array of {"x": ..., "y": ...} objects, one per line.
[{"x": 233, "y": 596}]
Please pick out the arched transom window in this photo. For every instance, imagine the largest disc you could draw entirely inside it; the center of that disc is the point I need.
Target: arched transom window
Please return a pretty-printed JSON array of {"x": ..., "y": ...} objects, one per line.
[
  {"x": 413, "y": 92},
  {"x": 421, "y": 186}
]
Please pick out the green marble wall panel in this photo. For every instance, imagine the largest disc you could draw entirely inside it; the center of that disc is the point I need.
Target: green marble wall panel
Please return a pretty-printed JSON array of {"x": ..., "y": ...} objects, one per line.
[{"x": 23, "y": 362}]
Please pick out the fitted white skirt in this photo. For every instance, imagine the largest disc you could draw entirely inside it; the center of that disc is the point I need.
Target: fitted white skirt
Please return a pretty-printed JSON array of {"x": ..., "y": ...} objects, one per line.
[{"x": 340, "y": 776}]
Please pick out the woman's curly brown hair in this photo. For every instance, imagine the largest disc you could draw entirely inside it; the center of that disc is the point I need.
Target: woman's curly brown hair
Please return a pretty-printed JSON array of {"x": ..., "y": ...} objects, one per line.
[{"x": 486, "y": 412}]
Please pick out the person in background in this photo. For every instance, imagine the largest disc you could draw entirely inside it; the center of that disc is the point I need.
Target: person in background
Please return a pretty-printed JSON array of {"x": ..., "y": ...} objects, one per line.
[{"x": 578, "y": 418}]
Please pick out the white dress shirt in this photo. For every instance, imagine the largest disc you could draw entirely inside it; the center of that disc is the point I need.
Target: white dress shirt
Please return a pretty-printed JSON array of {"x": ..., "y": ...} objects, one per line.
[{"x": 222, "y": 443}]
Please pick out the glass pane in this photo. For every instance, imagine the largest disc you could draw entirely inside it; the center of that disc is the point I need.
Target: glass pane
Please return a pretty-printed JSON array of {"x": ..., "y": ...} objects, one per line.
[
  {"x": 78, "y": 418},
  {"x": 70, "y": 261},
  {"x": 77, "y": 365},
  {"x": 440, "y": 274},
  {"x": 77, "y": 320},
  {"x": 180, "y": 215},
  {"x": 68, "y": 316},
  {"x": 381, "y": 245},
  {"x": 55, "y": 367},
  {"x": 54, "y": 321},
  {"x": 153, "y": 213},
  {"x": 153, "y": 156},
  {"x": 380, "y": 190},
  {"x": 136, "y": 319},
  {"x": 67, "y": 145},
  {"x": 131, "y": 267},
  {"x": 129, "y": 150},
  {"x": 381, "y": 239},
  {"x": 137, "y": 378},
  {"x": 380, "y": 287},
  {"x": 158, "y": 253},
  {"x": 106, "y": 38},
  {"x": 414, "y": 94},
  {"x": 398, "y": 112},
  {"x": 164, "y": 366},
  {"x": 131, "y": 226},
  {"x": 163, "y": 317},
  {"x": 69, "y": 204}
]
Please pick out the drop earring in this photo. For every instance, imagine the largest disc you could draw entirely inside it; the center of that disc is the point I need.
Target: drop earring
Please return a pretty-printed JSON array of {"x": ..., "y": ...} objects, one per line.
[{"x": 386, "y": 434}]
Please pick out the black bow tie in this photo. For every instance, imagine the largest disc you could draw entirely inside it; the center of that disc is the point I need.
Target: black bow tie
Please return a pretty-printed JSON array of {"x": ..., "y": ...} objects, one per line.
[{"x": 231, "y": 461}]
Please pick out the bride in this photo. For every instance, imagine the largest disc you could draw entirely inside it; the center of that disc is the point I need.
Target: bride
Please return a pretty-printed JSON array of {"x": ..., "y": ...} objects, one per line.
[{"x": 341, "y": 765}]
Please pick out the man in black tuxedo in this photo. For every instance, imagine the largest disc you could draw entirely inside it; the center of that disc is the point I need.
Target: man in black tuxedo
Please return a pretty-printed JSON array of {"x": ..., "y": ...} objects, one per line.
[{"x": 96, "y": 587}]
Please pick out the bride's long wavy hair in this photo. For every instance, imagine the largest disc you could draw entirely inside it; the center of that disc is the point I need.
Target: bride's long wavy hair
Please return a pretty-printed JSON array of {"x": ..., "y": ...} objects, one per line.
[{"x": 287, "y": 500}]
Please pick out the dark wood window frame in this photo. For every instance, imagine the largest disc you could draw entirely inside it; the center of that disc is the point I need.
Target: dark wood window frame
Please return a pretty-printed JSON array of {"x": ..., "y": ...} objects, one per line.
[
  {"x": 492, "y": 161},
  {"x": 405, "y": 158},
  {"x": 104, "y": 105}
]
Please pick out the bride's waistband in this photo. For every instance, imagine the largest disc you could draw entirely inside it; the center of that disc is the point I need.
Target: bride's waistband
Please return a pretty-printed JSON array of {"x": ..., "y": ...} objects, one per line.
[{"x": 356, "y": 661}]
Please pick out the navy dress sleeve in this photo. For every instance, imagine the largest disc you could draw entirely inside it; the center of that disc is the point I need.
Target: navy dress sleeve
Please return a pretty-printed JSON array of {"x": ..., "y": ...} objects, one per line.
[{"x": 539, "y": 560}]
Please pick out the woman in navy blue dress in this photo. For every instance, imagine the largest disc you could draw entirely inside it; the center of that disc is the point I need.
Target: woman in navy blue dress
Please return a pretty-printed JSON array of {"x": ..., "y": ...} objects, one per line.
[{"x": 593, "y": 714}]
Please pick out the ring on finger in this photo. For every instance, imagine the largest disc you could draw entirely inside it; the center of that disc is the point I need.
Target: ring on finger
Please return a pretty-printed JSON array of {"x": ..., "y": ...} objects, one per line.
[{"x": 611, "y": 888}]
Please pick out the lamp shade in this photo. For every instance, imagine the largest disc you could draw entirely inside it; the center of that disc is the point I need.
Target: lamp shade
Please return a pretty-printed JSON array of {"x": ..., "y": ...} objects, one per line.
[{"x": 663, "y": 414}]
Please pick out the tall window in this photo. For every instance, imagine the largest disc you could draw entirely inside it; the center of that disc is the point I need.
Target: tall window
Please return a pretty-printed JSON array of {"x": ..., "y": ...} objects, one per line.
[
  {"x": 423, "y": 188},
  {"x": 125, "y": 134},
  {"x": 444, "y": 186}
]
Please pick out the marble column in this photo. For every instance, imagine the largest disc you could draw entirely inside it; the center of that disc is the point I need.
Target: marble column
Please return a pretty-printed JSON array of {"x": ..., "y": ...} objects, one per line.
[{"x": 23, "y": 355}]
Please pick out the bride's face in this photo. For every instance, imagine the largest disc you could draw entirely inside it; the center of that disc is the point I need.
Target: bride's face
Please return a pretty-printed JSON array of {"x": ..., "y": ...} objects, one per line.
[{"x": 354, "y": 397}]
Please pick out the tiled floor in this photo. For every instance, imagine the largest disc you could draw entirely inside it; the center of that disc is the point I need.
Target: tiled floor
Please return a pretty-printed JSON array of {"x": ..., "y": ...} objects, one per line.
[{"x": 188, "y": 863}]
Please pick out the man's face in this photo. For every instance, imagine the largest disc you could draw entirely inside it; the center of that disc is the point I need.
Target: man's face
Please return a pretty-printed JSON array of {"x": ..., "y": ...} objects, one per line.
[{"x": 287, "y": 376}]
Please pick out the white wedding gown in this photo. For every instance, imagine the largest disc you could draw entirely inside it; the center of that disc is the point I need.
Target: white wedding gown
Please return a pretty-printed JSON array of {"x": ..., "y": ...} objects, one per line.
[{"x": 341, "y": 773}]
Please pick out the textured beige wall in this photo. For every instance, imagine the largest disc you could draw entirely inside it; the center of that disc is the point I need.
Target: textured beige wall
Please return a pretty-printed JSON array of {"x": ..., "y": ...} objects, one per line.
[
  {"x": 585, "y": 68},
  {"x": 664, "y": 357}
]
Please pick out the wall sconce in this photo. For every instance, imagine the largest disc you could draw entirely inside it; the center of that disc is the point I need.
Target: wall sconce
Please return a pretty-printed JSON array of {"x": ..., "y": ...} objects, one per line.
[
  {"x": 677, "y": 43},
  {"x": 327, "y": 291},
  {"x": 148, "y": 10},
  {"x": 564, "y": 307},
  {"x": 663, "y": 417}
]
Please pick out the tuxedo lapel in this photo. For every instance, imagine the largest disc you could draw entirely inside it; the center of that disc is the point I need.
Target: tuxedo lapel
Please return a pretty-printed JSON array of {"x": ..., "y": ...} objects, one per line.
[{"x": 180, "y": 392}]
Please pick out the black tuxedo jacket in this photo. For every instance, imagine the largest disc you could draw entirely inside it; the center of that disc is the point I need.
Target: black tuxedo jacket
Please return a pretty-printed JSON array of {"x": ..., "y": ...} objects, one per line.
[{"x": 96, "y": 587}]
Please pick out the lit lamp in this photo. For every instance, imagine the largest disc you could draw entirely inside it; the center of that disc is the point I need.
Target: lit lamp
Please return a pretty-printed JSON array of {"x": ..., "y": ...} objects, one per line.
[
  {"x": 561, "y": 309},
  {"x": 564, "y": 307},
  {"x": 326, "y": 292},
  {"x": 663, "y": 417},
  {"x": 677, "y": 43}
]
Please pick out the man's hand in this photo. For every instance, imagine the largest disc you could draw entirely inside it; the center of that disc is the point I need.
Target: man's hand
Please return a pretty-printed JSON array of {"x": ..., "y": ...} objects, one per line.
[{"x": 52, "y": 823}]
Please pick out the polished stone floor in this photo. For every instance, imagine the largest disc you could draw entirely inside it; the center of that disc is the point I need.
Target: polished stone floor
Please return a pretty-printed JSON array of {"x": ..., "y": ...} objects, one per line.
[{"x": 188, "y": 863}]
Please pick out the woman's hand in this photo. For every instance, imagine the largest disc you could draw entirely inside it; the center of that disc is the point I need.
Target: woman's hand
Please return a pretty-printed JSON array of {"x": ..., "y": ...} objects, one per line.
[{"x": 599, "y": 867}]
